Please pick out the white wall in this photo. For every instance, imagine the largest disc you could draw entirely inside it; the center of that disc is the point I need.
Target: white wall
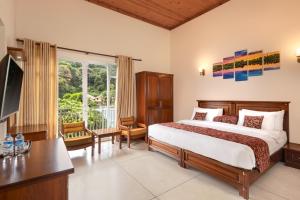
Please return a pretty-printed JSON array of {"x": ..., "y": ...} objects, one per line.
[
  {"x": 2, "y": 39},
  {"x": 7, "y": 14},
  {"x": 82, "y": 25},
  {"x": 2, "y": 53},
  {"x": 239, "y": 24}
]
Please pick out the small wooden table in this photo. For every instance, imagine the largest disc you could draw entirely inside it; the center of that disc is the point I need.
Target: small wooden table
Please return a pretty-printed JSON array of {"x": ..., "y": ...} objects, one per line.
[
  {"x": 108, "y": 132},
  {"x": 292, "y": 155}
]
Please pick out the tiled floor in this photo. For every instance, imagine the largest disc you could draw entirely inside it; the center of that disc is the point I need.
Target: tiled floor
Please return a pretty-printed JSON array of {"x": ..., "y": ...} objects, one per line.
[{"x": 137, "y": 174}]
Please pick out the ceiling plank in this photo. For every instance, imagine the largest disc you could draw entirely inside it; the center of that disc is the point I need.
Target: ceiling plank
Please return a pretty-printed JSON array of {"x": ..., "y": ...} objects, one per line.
[{"x": 167, "y": 14}]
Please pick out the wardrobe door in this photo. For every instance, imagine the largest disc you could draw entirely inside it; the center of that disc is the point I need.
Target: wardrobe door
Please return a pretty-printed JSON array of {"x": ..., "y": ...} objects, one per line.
[
  {"x": 166, "y": 115},
  {"x": 152, "y": 91},
  {"x": 166, "y": 97},
  {"x": 152, "y": 99},
  {"x": 153, "y": 116}
]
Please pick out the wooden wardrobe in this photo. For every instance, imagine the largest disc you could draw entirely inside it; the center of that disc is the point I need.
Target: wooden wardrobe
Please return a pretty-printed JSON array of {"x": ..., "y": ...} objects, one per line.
[{"x": 154, "y": 94}]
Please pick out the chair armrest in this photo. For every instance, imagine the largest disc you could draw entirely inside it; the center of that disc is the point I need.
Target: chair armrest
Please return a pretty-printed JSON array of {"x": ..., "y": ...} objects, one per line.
[
  {"x": 61, "y": 135},
  {"x": 141, "y": 125},
  {"x": 125, "y": 128},
  {"x": 91, "y": 132}
]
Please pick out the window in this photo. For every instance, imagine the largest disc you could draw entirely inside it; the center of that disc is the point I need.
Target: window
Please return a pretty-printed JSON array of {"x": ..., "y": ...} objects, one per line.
[{"x": 87, "y": 91}]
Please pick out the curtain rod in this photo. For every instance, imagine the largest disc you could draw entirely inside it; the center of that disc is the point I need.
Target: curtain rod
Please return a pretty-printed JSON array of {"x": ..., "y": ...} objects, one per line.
[{"x": 81, "y": 51}]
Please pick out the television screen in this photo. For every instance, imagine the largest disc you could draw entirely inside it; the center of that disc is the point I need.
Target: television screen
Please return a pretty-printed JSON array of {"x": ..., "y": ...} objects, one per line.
[{"x": 11, "y": 76}]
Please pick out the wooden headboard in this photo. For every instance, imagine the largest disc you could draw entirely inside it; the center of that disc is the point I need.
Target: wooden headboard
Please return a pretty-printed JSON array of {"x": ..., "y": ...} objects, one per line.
[{"x": 233, "y": 107}]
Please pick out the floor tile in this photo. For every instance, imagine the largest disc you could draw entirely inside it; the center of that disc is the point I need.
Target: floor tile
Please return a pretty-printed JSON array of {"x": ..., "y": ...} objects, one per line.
[
  {"x": 202, "y": 187},
  {"x": 138, "y": 174},
  {"x": 257, "y": 193},
  {"x": 157, "y": 172},
  {"x": 106, "y": 182},
  {"x": 282, "y": 181}
]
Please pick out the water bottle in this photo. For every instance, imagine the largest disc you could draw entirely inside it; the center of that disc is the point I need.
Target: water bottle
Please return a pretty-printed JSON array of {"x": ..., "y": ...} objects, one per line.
[
  {"x": 19, "y": 144},
  {"x": 8, "y": 146}
]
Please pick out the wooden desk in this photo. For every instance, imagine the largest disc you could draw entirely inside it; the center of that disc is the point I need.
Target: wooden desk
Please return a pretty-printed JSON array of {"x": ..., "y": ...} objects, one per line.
[
  {"x": 41, "y": 174},
  {"x": 30, "y": 132},
  {"x": 108, "y": 132}
]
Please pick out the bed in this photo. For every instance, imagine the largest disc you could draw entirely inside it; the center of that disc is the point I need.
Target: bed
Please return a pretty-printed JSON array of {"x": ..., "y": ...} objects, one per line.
[{"x": 238, "y": 167}]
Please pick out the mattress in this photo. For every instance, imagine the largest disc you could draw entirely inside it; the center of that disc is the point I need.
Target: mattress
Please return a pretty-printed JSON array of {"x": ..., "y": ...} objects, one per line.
[{"x": 231, "y": 153}]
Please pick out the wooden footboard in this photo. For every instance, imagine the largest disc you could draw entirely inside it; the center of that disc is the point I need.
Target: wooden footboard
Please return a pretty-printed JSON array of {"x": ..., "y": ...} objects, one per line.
[
  {"x": 172, "y": 151},
  {"x": 237, "y": 177}
]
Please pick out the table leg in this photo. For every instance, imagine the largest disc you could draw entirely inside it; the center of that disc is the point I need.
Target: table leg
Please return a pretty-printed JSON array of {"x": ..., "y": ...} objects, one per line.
[
  {"x": 99, "y": 145},
  {"x": 120, "y": 142},
  {"x": 112, "y": 139}
]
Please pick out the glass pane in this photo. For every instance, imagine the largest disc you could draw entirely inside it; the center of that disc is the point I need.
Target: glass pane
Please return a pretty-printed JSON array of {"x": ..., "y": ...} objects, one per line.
[
  {"x": 112, "y": 70},
  {"x": 70, "y": 91},
  {"x": 97, "y": 97}
]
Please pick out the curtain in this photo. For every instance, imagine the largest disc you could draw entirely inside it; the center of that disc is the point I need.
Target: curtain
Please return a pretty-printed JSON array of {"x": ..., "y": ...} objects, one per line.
[
  {"x": 125, "y": 103},
  {"x": 38, "y": 103}
]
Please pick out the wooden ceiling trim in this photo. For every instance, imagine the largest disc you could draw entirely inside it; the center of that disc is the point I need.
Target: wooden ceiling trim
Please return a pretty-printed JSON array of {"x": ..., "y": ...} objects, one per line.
[
  {"x": 200, "y": 13},
  {"x": 167, "y": 14},
  {"x": 105, "y": 5},
  {"x": 161, "y": 9}
]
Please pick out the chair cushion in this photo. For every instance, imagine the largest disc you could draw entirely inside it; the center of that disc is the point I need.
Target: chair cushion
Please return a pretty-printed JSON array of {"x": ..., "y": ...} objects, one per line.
[
  {"x": 77, "y": 141},
  {"x": 135, "y": 131}
]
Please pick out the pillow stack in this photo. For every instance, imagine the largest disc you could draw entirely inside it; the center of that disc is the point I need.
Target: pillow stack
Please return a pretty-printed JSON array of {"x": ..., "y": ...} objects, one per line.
[
  {"x": 271, "y": 120},
  {"x": 211, "y": 113}
]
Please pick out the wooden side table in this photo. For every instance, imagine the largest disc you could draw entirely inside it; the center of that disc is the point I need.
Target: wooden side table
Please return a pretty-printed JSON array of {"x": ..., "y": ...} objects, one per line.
[
  {"x": 108, "y": 132},
  {"x": 292, "y": 155}
]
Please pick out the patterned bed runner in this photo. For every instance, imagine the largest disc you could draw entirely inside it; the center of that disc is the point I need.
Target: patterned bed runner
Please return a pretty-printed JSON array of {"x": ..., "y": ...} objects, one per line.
[{"x": 259, "y": 146}]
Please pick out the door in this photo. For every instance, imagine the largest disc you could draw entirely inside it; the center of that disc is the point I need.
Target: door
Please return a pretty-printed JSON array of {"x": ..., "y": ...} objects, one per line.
[
  {"x": 152, "y": 91},
  {"x": 166, "y": 91},
  {"x": 166, "y": 97}
]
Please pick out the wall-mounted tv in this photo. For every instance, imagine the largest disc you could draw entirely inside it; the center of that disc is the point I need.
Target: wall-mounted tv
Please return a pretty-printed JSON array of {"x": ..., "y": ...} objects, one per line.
[{"x": 11, "y": 77}]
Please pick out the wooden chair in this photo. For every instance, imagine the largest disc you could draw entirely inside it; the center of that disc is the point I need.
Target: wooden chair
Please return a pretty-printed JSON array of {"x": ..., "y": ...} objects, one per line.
[
  {"x": 131, "y": 129},
  {"x": 77, "y": 136}
]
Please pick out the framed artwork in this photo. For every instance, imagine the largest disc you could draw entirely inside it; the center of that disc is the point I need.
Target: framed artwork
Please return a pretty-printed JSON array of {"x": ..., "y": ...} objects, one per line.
[
  {"x": 272, "y": 61},
  {"x": 218, "y": 69},
  {"x": 240, "y": 64},
  {"x": 255, "y": 63},
  {"x": 228, "y": 68}
]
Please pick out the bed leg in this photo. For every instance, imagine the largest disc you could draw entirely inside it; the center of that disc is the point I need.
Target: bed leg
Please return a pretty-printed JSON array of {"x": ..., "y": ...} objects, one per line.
[
  {"x": 148, "y": 144},
  {"x": 182, "y": 158},
  {"x": 244, "y": 190}
]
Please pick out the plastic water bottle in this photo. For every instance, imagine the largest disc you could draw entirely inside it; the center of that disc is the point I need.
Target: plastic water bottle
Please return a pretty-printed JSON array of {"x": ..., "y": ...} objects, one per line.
[
  {"x": 8, "y": 146},
  {"x": 19, "y": 144}
]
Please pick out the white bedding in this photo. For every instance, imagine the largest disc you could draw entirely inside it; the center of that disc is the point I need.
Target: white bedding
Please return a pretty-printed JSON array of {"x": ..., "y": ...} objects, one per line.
[{"x": 231, "y": 153}]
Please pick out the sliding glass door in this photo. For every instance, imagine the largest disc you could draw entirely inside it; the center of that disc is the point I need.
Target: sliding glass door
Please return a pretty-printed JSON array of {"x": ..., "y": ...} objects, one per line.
[{"x": 87, "y": 91}]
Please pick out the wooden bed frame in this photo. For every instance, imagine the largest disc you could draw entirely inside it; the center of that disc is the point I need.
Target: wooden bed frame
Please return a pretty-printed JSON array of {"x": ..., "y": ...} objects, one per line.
[{"x": 237, "y": 177}]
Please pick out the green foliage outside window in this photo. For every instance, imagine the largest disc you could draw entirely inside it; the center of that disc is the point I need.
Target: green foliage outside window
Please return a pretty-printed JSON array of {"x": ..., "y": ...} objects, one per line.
[{"x": 70, "y": 92}]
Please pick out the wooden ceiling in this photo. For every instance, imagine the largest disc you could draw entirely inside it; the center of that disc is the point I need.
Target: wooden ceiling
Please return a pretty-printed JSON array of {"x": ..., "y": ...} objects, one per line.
[{"x": 168, "y": 14}]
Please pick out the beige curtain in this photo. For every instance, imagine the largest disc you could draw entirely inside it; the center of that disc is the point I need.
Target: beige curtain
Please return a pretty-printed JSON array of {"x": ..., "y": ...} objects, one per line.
[
  {"x": 125, "y": 103},
  {"x": 38, "y": 103}
]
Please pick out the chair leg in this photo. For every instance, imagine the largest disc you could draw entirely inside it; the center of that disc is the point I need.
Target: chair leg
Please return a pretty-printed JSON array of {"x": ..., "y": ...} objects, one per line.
[
  {"x": 128, "y": 141},
  {"x": 93, "y": 148}
]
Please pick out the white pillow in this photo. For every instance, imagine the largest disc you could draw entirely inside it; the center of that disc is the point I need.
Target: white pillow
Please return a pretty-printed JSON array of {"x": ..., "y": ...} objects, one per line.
[
  {"x": 271, "y": 121},
  {"x": 211, "y": 112}
]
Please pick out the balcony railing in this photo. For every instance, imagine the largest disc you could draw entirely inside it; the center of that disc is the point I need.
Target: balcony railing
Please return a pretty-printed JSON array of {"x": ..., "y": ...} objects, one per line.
[{"x": 98, "y": 118}]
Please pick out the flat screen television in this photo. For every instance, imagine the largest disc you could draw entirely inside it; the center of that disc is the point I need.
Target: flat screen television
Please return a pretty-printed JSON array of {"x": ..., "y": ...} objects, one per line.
[{"x": 11, "y": 77}]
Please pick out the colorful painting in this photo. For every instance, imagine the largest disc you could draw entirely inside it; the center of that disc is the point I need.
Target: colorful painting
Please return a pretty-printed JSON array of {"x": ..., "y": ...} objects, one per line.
[
  {"x": 228, "y": 67},
  {"x": 255, "y": 63},
  {"x": 240, "y": 63},
  {"x": 241, "y": 66},
  {"x": 272, "y": 61},
  {"x": 218, "y": 69}
]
